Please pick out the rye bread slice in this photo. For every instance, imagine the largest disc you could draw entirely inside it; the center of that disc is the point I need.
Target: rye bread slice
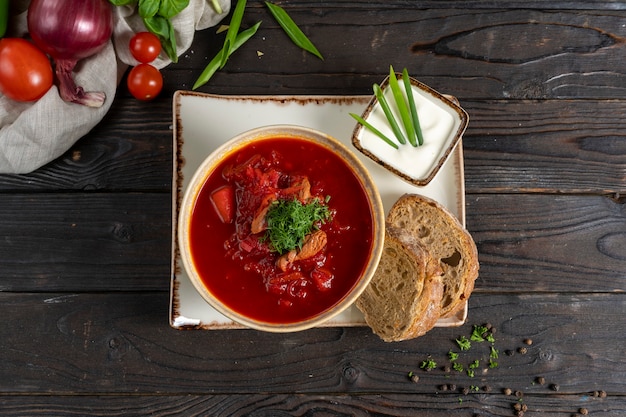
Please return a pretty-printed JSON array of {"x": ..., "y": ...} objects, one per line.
[
  {"x": 403, "y": 300},
  {"x": 446, "y": 239}
]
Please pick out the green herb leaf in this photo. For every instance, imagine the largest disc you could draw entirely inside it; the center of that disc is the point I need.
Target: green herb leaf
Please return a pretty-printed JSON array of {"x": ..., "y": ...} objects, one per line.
[
  {"x": 292, "y": 30},
  {"x": 214, "y": 65},
  {"x": 233, "y": 31},
  {"x": 122, "y": 2},
  {"x": 463, "y": 343},
  {"x": 428, "y": 364},
  {"x": 148, "y": 8},
  {"x": 403, "y": 109},
  {"x": 170, "y": 8},
  {"x": 453, "y": 356},
  {"x": 164, "y": 30},
  {"x": 493, "y": 353},
  {"x": 387, "y": 110},
  {"x": 480, "y": 333},
  {"x": 457, "y": 367},
  {"x": 374, "y": 130},
  {"x": 414, "y": 116},
  {"x": 289, "y": 221}
]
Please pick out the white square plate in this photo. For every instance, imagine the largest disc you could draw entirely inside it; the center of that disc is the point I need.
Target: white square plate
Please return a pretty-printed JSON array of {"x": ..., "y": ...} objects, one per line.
[{"x": 202, "y": 122}]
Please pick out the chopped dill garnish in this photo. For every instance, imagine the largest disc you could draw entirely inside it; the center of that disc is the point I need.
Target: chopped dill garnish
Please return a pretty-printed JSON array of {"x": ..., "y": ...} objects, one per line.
[{"x": 289, "y": 221}]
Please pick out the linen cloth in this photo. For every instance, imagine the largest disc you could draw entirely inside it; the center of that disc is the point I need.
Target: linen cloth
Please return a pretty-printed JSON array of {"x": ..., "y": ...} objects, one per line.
[{"x": 33, "y": 134}]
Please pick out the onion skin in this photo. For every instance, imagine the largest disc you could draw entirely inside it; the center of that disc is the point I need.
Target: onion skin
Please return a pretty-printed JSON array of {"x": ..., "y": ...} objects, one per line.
[{"x": 68, "y": 31}]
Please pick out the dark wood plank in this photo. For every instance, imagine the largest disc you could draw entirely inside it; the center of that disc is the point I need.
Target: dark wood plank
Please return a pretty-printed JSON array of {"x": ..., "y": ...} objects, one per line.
[
  {"x": 121, "y": 242},
  {"x": 557, "y": 243},
  {"x": 554, "y": 146},
  {"x": 121, "y": 343},
  {"x": 131, "y": 149},
  {"x": 85, "y": 242},
  {"x": 511, "y": 146},
  {"x": 285, "y": 405},
  {"x": 487, "y": 54}
]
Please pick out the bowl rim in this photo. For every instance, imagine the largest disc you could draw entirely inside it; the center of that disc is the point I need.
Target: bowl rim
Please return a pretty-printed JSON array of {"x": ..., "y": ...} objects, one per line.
[
  {"x": 231, "y": 146},
  {"x": 450, "y": 101}
]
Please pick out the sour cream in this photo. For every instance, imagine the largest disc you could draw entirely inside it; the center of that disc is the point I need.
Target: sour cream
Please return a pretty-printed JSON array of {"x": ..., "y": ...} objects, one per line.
[{"x": 442, "y": 123}]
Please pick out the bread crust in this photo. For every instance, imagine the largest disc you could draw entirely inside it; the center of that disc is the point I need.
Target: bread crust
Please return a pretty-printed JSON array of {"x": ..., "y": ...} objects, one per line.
[
  {"x": 448, "y": 242},
  {"x": 401, "y": 306}
]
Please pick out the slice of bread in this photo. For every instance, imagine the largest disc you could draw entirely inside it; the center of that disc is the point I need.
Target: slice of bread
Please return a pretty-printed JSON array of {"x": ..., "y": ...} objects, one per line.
[
  {"x": 403, "y": 300},
  {"x": 446, "y": 239}
]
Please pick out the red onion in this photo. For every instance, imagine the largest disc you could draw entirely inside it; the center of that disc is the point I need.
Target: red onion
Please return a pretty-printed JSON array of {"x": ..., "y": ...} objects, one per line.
[{"x": 68, "y": 31}]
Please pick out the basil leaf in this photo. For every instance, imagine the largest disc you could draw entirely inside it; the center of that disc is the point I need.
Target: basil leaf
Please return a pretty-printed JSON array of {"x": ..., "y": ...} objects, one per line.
[
  {"x": 148, "y": 8},
  {"x": 292, "y": 30},
  {"x": 122, "y": 2},
  {"x": 163, "y": 28},
  {"x": 170, "y": 8}
]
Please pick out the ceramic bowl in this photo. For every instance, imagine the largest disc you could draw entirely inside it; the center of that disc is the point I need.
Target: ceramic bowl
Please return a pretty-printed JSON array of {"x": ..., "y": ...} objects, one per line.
[
  {"x": 204, "y": 278},
  {"x": 442, "y": 122}
]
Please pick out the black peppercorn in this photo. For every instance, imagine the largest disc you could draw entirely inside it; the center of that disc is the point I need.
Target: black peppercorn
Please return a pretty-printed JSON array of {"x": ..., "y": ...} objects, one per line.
[
  {"x": 602, "y": 394},
  {"x": 541, "y": 380},
  {"x": 519, "y": 394},
  {"x": 465, "y": 390},
  {"x": 452, "y": 387},
  {"x": 487, "y": 388},
  {"x": 508, "y": 352},
  {"x": 415, "y": 378},
  {"x": 443, "y": 387},
  {"x": 522, "y": 350},
  {"x": 554, "y": 387}
]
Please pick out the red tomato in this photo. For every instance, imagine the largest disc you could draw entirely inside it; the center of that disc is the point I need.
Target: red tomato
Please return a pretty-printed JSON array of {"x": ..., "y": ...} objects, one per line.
[
  {"x": 144, "y": 82},
  {"x": 223, "y": 200},
  {"x": 25, "y": 71},
  {"x": 145, "y": 47}
]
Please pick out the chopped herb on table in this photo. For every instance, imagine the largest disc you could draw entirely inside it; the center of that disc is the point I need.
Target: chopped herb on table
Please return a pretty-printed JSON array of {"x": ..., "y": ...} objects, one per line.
[
  {"x": 428, "y": 364},
  {"x": 464, "y": 343}
]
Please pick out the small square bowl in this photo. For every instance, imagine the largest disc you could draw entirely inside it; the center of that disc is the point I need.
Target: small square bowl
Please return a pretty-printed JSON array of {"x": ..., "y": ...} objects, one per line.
[{"x": 442, "y": 122}]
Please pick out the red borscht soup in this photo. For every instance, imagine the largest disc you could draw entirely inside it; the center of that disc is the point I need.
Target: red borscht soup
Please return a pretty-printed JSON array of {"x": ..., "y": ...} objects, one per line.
[{"x": 281, "y": 230}]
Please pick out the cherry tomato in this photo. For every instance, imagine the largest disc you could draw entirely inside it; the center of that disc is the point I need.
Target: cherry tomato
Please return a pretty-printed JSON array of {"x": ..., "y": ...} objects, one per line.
[
  {"x": 144, "y": 82},
  {"x": 145, "y": 47},
  {"x": 25, "y": 71}
]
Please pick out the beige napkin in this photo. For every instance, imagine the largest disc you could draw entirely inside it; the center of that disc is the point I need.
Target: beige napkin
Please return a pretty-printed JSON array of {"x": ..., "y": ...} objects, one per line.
[{"x": 33, "y": 134}]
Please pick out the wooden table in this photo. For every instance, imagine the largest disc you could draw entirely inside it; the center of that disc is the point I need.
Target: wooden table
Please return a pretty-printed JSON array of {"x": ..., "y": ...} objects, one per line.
[{"x": 85, "y": 241}]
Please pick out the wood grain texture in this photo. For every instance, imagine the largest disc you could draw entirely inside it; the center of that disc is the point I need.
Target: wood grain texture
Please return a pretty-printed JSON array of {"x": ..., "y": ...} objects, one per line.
[
  {"x": 85, "y": 241},
  {"x": 121, "y": 242},
  {"x": 287, "y": 405},
  {"x": 120, "y": 343}
]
